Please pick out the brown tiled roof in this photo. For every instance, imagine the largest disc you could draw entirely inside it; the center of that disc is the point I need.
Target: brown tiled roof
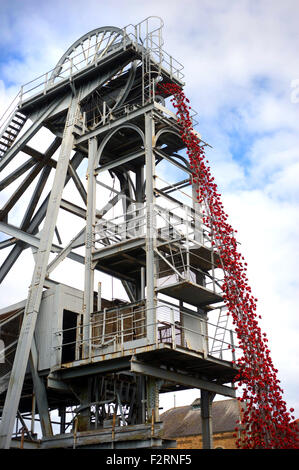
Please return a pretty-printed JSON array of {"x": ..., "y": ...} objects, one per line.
[{"x": 186, "y": 420}]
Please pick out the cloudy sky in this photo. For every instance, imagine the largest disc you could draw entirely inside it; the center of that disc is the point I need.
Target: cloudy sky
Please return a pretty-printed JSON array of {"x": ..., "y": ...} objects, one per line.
[{"x": 242, "y": 76}]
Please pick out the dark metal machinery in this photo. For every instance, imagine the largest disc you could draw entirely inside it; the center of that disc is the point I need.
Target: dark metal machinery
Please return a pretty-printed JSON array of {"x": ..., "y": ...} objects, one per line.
[{"x": 88, "y": 369}]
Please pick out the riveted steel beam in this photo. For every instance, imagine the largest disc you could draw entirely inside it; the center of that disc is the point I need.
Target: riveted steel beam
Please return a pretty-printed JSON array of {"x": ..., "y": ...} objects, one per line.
[
  {"x": 35, "y": 292},
  {"x": 180, "y": 378}
]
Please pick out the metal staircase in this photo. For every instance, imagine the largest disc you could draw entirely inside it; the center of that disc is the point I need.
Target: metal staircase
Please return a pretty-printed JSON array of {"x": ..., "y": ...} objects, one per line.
[{"x": 11, "y": 131}]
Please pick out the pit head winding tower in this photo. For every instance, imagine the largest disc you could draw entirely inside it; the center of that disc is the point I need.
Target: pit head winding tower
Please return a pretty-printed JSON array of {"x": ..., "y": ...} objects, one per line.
[{"x": 101, "y": 358}]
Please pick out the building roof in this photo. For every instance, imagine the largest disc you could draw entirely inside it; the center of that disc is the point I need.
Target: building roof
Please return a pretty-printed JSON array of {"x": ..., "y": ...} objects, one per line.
[{"x": 186, "y": 420}]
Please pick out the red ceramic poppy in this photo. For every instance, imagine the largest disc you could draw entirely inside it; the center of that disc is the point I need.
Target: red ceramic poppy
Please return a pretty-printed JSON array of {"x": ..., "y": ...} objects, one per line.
[{"x": 265, "y": 422}]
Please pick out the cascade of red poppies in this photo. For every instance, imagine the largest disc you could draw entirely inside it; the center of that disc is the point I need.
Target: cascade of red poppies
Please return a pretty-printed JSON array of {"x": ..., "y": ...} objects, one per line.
[{"x": 265, "y": 422}]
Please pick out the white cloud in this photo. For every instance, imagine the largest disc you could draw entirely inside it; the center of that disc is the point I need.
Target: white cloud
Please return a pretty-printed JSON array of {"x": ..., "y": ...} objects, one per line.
[{"x": 268, "y": 232}]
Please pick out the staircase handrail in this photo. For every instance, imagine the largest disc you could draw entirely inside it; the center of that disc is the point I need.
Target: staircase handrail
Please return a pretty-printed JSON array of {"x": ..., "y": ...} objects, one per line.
[{"x": 4, "y": 119}]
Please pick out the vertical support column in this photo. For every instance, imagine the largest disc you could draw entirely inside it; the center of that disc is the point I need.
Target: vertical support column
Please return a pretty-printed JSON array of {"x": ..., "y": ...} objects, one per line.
[
  {"x": 62, "y": 415},
  {"x": 40, "y": 394},
  {"x": 83, "y": 391},
  {"x": 84, "y": 415},
  {"x": 36, "y": 288},
  {"x": 206, "y": 418},
  {"x": 151, "y": 300},
  {"x": 89, "y": 241},
  {"x": 142, "y": 284},
  {"x": 139, "y": 183},
  {"x": 198, "y": 229},
  {"x": 33, "y": 412},
  {"x": 152, "y": 395},
  {"x": 140, "y": 228},
  {"x": 187, "y": 270},
  {"x": 182, "y": 323},
  {"x": 99, "y": 302}
]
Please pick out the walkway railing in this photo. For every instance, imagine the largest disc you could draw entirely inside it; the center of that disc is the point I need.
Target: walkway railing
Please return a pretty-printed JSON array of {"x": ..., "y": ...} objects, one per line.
[
  {"x": 145, "y": 37},
  {"x": 114, "y": 330}
]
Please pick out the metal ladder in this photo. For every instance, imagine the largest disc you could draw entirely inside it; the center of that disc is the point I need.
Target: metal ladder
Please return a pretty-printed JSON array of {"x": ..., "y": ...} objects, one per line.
[
  {"x": 220, "y": 331},
  {"x": 11, "y": 132}
]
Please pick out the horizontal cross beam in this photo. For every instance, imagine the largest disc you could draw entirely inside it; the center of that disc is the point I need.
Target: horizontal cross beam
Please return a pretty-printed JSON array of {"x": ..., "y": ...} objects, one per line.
[{"x": 182, "y": 379}]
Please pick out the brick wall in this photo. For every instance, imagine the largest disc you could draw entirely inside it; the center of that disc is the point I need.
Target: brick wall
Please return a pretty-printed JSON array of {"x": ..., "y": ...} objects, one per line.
[{"x": 224, "y": 440}]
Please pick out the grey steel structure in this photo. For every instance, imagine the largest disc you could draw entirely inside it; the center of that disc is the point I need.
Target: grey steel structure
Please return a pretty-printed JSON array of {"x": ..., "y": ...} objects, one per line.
[{"x": 100, "y": 363}]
